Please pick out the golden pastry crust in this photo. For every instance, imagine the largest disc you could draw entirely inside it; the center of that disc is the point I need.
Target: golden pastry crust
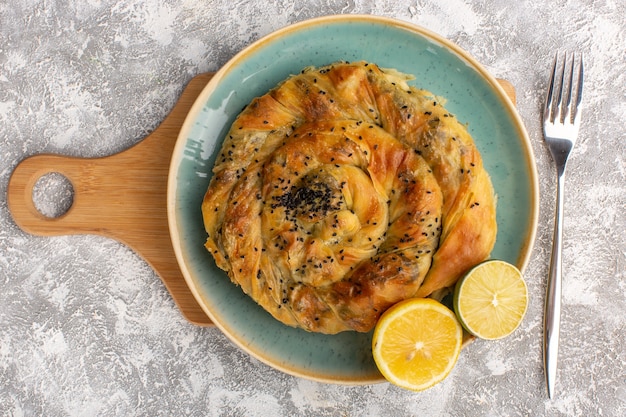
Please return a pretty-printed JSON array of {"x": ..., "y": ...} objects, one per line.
[{"x": 343, "y": 191}]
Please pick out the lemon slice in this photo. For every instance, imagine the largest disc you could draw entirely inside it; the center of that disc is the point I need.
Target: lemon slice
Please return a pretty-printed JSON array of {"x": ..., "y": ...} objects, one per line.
[
  {"x": 416, "y": 343},
  {"x": 491, "y": 299}
]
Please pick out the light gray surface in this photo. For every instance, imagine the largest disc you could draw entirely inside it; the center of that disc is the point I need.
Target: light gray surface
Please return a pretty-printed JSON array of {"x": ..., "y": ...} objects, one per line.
[{"x": 86, "y": 327}]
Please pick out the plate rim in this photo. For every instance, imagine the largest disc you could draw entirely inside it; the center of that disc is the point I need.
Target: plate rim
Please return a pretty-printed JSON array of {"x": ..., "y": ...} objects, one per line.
[{"x": 205, "y": 93}]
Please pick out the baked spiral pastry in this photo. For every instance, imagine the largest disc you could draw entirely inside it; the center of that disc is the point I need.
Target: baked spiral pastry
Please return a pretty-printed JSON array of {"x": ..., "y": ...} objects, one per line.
[{"x": 343, "y": 191}]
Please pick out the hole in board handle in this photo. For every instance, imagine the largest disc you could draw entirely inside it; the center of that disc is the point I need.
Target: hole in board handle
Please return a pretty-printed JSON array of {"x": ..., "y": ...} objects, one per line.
[{"x": 53, "y": 195}]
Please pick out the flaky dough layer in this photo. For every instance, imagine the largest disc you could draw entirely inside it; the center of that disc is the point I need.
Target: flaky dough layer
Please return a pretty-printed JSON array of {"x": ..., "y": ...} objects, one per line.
[{"x": 343, "y": 191}]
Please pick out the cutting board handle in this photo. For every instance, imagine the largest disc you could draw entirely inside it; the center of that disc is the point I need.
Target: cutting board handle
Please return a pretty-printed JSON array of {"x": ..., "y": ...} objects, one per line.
[
  {"x": 122, "y": 196},
  {"x": 79, "y": 218}
]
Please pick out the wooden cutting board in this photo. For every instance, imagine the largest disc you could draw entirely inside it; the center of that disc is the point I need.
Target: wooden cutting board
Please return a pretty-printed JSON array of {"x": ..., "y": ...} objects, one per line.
[{"x": 122, "y": 196}]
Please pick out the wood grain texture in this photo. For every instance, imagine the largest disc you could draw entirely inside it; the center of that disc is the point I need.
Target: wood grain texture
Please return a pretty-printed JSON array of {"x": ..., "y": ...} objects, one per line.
[{"x": 122, "y": 196}]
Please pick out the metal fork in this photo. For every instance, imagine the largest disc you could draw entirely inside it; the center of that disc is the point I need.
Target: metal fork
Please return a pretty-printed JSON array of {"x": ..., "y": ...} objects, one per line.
[{"x": 561, "y": 120}]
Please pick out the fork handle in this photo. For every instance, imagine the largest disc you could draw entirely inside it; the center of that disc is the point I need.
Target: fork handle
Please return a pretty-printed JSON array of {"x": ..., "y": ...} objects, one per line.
[{"x": 552, "y": 314}]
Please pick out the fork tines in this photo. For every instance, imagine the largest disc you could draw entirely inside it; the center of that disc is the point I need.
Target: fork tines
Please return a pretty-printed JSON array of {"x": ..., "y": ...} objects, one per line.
[{"x": 557, "y": 107}]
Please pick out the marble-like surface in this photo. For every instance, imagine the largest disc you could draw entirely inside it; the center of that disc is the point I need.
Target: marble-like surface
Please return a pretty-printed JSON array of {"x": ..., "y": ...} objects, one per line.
[{"x": 87, "y": 328}]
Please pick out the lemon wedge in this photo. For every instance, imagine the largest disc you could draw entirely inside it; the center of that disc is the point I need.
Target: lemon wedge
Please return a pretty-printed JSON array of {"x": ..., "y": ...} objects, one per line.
[
  {"x": 491, "y": 299},
  {"x": 416, "y": 343}
]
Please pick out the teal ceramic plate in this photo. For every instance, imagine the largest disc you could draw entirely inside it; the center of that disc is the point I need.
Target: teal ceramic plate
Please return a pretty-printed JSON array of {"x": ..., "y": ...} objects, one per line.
[{"x": 439, "y": 66}]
